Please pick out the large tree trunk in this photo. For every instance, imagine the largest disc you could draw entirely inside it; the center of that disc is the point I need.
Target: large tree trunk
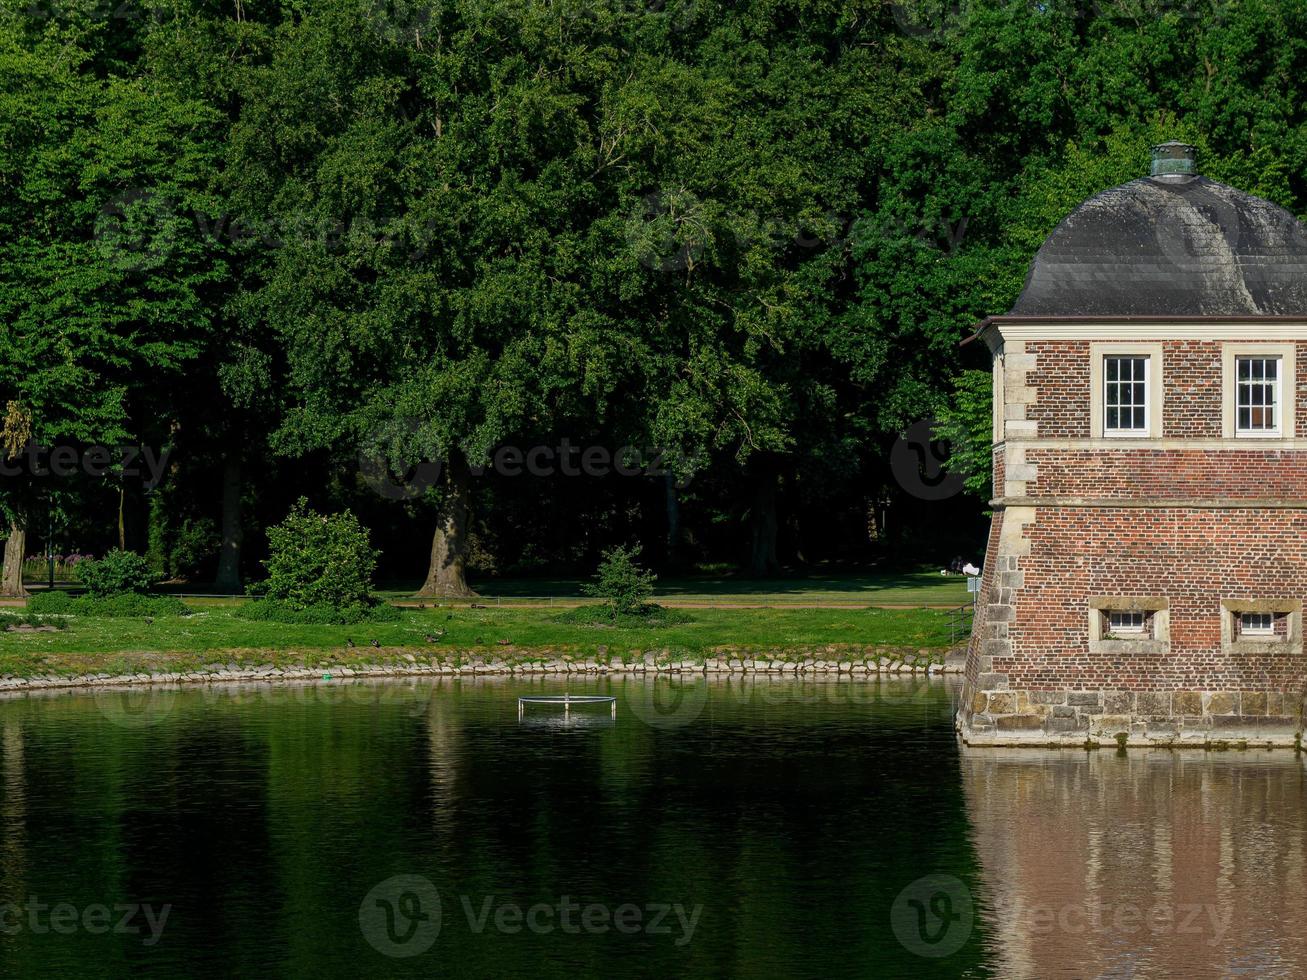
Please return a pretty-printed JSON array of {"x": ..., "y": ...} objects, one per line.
[
  {"x": 229, "y": 556},
  {"x": 763, "y": 561},
  {"x": 446, "y": 575},
  {"x": 15, "y": 549}
]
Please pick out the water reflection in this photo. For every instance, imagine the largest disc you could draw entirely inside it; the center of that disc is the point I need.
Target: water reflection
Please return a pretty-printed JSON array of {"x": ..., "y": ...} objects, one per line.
[{"x": 1105, "y": 864}]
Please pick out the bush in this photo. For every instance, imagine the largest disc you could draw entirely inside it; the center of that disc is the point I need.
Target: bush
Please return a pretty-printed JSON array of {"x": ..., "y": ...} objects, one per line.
[
  {"x": 624, "y": 586},
  {"x": 649, "y": 617},
  {"x": 319, "y": 560},
  {"x": 271, "y": 611},
  {"x": 50, "y": 602},
  {"x": 121, "y": 606},
  {"x": 117, "y": 573}
]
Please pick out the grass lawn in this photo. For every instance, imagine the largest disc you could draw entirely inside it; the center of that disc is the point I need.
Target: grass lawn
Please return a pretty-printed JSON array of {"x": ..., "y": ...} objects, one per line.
[
  {"x": 213, "y": 634},
  {"x": 921, "y": 587}
]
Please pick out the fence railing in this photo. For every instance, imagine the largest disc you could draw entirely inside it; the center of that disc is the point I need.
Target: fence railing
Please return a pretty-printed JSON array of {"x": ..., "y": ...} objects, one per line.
[{"x": 960, "y": 621}]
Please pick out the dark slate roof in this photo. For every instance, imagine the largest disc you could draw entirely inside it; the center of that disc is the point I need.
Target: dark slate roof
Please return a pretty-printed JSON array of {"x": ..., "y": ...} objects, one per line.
[{"x": 1178, "y": 246}]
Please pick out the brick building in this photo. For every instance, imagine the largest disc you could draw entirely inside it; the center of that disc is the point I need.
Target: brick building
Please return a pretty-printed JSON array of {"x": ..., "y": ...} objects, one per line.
[{"x": 1147, "y": 561}]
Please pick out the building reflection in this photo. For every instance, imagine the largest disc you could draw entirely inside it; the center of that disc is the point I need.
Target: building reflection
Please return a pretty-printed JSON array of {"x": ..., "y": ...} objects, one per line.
[{"x": 1107, "y": 864}]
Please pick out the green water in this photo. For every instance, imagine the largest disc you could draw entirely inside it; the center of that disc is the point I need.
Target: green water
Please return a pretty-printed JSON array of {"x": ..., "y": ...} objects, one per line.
[{"x": 760, "y": 828}]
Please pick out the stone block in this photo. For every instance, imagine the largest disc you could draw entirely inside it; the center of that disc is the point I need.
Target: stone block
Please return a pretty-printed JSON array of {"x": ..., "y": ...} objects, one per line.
[
  {"x": 1048, "y": 697},
  {"x": 1119, "y": 702},
  {"x": 1253, "y": 702},
  {"x": 1020, "y": 723},
  {"x": 1068, "y": 724},
  {"x": 992, "y": 682},
  {"x": 1082, "y": 698},
  {"x": 1111, "y": 724},
  {"x": 1002, "y": 703},
  {"x": 1187, "y": 702},
  {"x": 1063, "y": 711},
  {"x": 1156, "y": 703},
  {"x": 979, "y": 702},
  {"x": 1161, "y": 726},
  {"x": 1222, "y": 703}
]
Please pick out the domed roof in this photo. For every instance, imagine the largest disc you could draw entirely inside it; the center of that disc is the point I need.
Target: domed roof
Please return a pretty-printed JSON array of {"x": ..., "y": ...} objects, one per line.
[{"x": 1170, "y": 245}]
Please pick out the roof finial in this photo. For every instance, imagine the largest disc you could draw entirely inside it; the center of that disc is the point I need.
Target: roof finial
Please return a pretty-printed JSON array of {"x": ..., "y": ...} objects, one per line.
[{"x": 1174, "y": 159}]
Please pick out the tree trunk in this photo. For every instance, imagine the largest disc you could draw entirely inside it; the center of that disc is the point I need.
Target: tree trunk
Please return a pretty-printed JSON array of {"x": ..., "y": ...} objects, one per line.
[
  {"x": 229, "y": 555},
  {"x": 446, "y": 574},
  {"x": 15, "y": 549},
  {"x": 763, "y": 560}
]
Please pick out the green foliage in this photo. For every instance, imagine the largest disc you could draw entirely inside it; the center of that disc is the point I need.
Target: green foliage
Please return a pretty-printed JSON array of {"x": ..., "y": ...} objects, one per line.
[
  {"x": 625, "y": 587},
  {"x": 645, "y": 617},
  {"x": 271, "y": 611},
  {"x": 319, "y": 560},
  {"x": 120, "y": 605},
  {"x": 9, "y": 620},
  {"x": 967, "y": 423},
  {"x": 117, "y": 573}
]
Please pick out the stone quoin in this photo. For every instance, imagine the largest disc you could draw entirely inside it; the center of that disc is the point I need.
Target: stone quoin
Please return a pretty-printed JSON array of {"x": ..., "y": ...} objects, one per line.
[{"x": 1147, "y": 560}]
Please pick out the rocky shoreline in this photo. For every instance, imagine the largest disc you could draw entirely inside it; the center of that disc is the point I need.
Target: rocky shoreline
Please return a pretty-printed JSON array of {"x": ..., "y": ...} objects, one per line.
[{"x": 408, "y": 665}]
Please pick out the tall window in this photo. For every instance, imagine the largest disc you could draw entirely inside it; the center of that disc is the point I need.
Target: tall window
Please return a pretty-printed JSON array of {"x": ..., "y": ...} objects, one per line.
[
  {"x": 1125, "y": 395},
  {"x": 1257, "y": 395}
]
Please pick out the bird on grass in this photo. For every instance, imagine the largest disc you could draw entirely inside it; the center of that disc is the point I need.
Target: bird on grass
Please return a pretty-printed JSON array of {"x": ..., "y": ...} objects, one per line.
[
  {"x": 377, "y": 644},
  {"x": 435, "y": 637},
  {"x": 149, "y": 620},
  {"x": 349, "y": 643}
]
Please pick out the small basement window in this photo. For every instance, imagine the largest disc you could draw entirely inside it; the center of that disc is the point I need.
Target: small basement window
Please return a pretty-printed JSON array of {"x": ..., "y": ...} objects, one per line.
[
  {"x": 1257, "y": 624},
  {"x": 1125, "y": 622},
  {"x": 1138, "y": 624}
]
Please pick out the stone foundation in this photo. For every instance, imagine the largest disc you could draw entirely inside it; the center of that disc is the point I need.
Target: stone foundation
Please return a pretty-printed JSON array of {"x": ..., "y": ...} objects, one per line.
[{"x": 1201, "y": 719}]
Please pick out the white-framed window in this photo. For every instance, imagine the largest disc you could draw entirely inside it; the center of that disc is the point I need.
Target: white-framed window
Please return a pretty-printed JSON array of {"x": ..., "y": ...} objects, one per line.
[
  {"x": 1258, "y": 399},
  {"x": 1256, "y": 624},
  {"x": 1125, "y": 622},
  {"x": 1125, "y": 394}
]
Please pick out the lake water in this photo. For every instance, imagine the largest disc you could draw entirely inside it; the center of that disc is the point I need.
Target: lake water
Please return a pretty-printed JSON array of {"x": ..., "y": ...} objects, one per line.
[{"x": 745, "y": 827}]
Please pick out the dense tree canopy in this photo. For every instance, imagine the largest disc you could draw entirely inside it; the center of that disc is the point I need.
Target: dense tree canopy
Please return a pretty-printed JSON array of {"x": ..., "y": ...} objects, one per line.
[{"x": 283, "y": 239}]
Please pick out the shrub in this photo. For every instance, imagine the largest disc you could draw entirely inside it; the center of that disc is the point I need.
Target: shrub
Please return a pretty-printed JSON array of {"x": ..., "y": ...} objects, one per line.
[
  {"x": 50, "y": 602},
  {"x": 122, "y": 605},
  {"x": 649, "y": 617},
  {"x": 272, "y": 611},
  {"x": 319, "y": 560},
  {"x": 117, "y": 573},
  {"x": 625, "y": 587}
]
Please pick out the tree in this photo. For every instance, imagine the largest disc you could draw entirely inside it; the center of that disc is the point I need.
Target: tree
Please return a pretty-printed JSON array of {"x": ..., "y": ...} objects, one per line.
[{"x": 102, "y": 271}]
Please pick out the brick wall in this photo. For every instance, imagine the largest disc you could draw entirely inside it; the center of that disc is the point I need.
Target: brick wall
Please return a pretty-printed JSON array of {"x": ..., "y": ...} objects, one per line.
[
  {"x": 1061, "y": 382},
  {"x": 1194, "y": 558},
  {"x": 1191, "y": 376},
  {"x": 1125, "y": 474}
]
